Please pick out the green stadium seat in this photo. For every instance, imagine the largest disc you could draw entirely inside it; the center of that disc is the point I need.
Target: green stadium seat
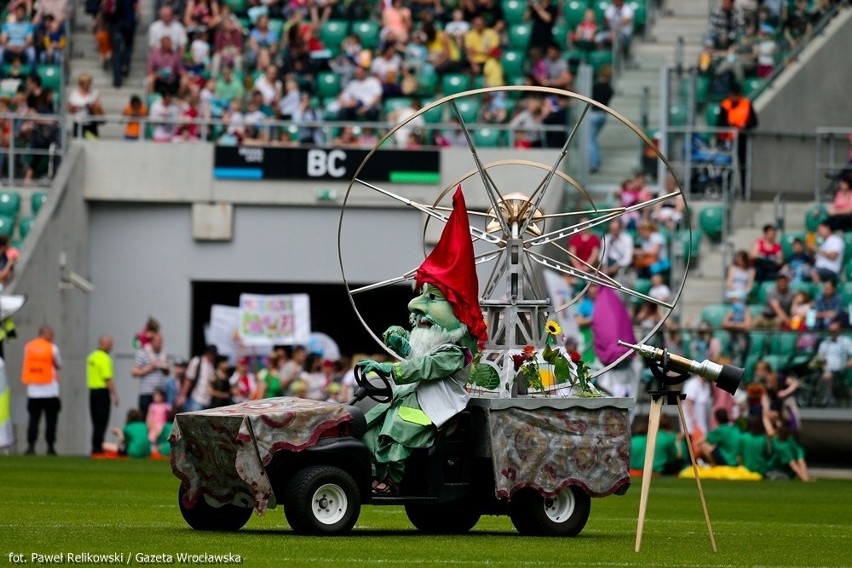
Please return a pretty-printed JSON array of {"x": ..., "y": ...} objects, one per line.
[
  {"x": 514, "y": 11},
  {"x": 560, "y": 35},
  {"x": 51, "y": 76},
  {"x": 691, "y": 243},
  {"x": 599, "y": 59},
  {"x": 757, "y": 346},
  {"x": 573, "y": 11},
  {"x": 814, "y": 216},
  {"x": 776, "y": 362},
  {"x": 702, "y": 89},
  {"x": 477, "y": 82},
  {"x": 24, "y": 226},
  {"x": 711, "y": 220},
  {"x": 846, "y": 293},
  {"x": 332, "y": 34},
  {"x": 640, "y": 15},
  {"x": 238, "y": 7},
  {"x": 468, "y": 109},
  {"x": 711, "y": 115},
  {"x": 574, "y": 57},
  {"x": 512, "y": 61},
  {"x": 328, "y": 84},
  {"x": 519, "y": 36},
  {"x": 678, "y": 113},
  {"x": 487, "y": 137},
  {"x": 7, "y": 226},
  {"x": 714, "y": 314},
  {"x": 453, "y": 83},
  {"x": 392, "y": 104},
  {"x": 435, "y": 115},
  {"x": 752, "y": 86},
  {"x": 763, "y": 291},
  {"x": 276, "y": 25},
  {"x": 37, "y": 199},
  {"x": 427, "y": 84},
  {"x": 847, "y": 252},
  {"x": 10, "y": 204},
  {"x": 643, "y": 286},
  {"x": 368, "y": 31},
  {"x": 600, "y": 7}
]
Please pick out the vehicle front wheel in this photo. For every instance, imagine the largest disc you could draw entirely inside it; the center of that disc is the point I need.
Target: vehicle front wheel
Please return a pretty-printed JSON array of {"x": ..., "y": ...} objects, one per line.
[
  {"x": 205, "y": 517},
  {"x": 562, "y": 515},
  {"x": 322, "y": 500},
  {"x": 457, "y": 517}
]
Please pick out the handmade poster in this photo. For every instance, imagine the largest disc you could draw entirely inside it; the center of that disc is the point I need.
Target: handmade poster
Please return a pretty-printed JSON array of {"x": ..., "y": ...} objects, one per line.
[{"x": 267, "y": 320}]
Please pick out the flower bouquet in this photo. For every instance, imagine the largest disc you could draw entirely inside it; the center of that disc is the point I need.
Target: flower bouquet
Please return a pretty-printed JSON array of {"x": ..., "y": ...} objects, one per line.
[{"x": 567, "y": 369}]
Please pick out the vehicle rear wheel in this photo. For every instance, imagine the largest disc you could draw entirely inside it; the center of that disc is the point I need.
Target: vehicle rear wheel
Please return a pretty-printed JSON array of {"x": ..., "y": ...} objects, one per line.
[
  {"x": 205, "y": 517},
  {"x": 562, "y": 515},
  {"x": 457, "y": 517},
  {"x": 322, "y": 500}
]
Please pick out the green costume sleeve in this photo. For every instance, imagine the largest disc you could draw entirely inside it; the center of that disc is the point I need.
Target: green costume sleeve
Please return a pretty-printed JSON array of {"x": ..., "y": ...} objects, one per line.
[{"x": 435, "y": 366}]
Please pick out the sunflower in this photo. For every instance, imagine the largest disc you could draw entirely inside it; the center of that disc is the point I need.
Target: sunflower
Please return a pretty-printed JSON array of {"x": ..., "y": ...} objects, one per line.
[{"x": 553, "y": 328}]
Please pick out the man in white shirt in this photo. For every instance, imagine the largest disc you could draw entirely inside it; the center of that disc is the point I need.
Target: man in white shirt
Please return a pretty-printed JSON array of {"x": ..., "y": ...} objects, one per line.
[
  {"x": 195, "y": 391},
  {"x": 617, "y": 250},
  {"x": 828, "y": 258},
  {"x": 835, "y": 352},
  {"x": 361, "y": 97},
  {"x": 167, "y": 25}
]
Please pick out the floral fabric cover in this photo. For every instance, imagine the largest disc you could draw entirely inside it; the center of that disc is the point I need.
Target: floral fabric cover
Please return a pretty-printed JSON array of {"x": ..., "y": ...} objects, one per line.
[
  {"x": 222, "y": 452},
  {"x": 548, "y": 449}
]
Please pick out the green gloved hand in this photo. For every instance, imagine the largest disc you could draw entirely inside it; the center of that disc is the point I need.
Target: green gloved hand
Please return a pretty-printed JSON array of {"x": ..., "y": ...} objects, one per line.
[
  {"x": 368, "y": 366},
  {"x": 396, "y": 338}
]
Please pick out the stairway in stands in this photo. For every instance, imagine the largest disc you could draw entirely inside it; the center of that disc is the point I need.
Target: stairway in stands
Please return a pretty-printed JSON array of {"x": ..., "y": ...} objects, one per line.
[{"x": 84, "y": 59}]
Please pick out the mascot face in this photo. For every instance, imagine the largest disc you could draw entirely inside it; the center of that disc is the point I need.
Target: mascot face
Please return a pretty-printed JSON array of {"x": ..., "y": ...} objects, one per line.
[{"x": 430, "y": 308}]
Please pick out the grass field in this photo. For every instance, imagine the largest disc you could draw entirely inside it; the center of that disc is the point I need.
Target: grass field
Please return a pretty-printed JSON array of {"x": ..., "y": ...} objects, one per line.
[{"x": 62, "y": 505}]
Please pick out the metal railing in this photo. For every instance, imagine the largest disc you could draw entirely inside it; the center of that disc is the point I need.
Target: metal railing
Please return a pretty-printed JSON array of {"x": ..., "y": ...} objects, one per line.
[{"x": 31, "y": 137}]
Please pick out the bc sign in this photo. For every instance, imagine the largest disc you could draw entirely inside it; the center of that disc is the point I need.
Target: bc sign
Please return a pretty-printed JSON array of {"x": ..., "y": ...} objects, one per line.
[{"x": 322, "y": 163}]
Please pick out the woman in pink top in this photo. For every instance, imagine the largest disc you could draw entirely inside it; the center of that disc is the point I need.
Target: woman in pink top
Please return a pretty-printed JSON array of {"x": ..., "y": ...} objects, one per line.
[
  {"x": 396, "y": 22},
  {"x": 840, "y": 211}
]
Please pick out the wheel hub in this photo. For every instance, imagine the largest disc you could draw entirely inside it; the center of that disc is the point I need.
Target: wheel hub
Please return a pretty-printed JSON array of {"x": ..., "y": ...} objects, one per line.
[
  {"x": 560, "y": 508},
  {"x": 330, "y": 504}
]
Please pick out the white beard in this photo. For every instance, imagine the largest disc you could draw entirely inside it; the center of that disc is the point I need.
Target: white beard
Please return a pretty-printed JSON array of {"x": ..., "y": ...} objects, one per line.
[{"x": 424, "y": 339}]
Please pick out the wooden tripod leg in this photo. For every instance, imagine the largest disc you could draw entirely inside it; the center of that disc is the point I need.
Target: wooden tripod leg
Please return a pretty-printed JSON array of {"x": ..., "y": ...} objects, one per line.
[
  {"x": 697, "y": 477},
  {"x": 648, "y": 469}
]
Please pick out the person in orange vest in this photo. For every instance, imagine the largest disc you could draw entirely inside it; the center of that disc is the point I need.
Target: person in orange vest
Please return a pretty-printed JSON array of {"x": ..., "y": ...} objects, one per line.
[
  {"x": 737, "y": 112},
  {"x": 39, "y": 374}
]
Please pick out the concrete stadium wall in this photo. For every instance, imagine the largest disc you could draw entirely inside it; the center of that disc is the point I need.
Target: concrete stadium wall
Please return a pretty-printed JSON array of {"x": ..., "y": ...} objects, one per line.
[
  {"x": 813, "y": 92},
  {"x": 61, "y": 228}
]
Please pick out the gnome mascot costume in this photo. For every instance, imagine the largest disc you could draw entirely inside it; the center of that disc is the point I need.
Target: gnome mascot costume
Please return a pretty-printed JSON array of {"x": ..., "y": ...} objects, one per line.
[{"x": 447, "y": 328}]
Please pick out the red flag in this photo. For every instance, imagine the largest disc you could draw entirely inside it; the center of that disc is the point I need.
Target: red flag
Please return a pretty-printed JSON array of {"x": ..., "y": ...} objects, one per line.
[{"x": 451, "y": 268}]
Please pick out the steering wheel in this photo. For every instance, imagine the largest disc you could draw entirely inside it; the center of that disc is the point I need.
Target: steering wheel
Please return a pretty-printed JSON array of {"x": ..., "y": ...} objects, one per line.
[{"x": 380, "y": 393}]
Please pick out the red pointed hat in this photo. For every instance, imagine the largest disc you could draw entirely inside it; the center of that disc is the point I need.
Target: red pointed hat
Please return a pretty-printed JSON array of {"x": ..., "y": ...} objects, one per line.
[{"x": 451, "y": 268}]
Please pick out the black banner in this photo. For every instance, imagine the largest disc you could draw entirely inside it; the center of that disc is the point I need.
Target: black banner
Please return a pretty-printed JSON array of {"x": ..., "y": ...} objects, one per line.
[{"x": 273, "y": 163}]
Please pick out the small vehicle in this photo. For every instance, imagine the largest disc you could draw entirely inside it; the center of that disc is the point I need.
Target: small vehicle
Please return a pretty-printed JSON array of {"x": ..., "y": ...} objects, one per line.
[{"x": 308, "y": 456}]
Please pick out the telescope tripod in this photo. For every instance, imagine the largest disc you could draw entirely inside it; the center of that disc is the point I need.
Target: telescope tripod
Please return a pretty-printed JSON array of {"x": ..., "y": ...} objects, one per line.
[{"x": 671, "y": 395}]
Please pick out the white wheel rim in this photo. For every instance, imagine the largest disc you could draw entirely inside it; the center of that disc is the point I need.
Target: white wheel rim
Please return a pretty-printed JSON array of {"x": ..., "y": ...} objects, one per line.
[
  {"x": 560, "y": 508},
  {"x": 329, "y": 504}
]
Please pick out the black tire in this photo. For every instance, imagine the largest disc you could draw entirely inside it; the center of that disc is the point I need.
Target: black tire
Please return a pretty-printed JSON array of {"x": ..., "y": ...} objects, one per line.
[
  {"x": 205, "y": 517},
  {"x": 457, "y": 517},
  {"x": 322, "y": 500},
  {"x": 563, "y": 515}
]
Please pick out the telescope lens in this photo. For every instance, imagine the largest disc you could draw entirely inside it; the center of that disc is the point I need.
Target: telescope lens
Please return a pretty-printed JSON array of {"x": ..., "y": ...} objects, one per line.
[{"x": 729, "y": 379}]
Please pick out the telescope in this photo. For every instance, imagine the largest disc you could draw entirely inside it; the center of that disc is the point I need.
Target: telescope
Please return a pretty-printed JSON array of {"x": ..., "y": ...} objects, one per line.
[{"x": 726, "y": 377}]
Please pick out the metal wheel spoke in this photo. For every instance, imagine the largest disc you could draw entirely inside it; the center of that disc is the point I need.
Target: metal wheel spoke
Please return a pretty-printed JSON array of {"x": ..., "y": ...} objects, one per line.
[
  {"x": 430, "y": 211},
  {"x": 597, "y": 278},
  {"x": 490, "y": 187},
  {"x": 613, "y": 213},
  {"x": 541, "y": 190}
]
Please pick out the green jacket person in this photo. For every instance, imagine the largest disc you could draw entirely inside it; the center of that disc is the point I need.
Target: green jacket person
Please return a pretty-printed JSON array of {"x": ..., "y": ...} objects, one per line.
[{"x": 447, "y": 328}]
